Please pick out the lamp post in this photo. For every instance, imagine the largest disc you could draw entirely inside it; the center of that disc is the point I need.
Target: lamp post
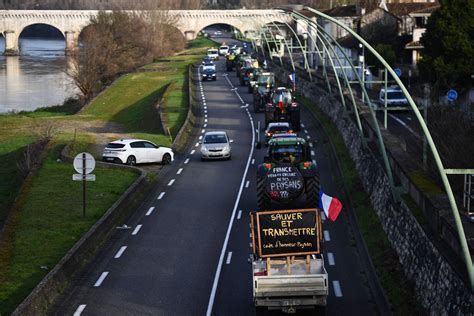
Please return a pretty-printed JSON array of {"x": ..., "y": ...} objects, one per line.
[{"x": 305, "y": 48}]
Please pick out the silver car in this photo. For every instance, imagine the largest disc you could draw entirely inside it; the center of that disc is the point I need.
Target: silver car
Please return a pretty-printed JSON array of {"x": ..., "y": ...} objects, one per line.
[{"x": 216, "y": 145}]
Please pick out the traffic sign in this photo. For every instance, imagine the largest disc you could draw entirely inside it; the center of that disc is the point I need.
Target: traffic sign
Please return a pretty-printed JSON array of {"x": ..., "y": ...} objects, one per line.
[
  {"x": 452, "y": 95},
  {"x": 84, "y": 163},
  {"x": 86, "y": 177},
  {"x": 398, "y": 71}
]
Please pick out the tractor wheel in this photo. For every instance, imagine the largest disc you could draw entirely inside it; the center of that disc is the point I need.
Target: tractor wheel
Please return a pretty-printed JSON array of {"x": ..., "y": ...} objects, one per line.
[
  {"x": 312, "y": 191},
  {"x": 263, "y": 201}
]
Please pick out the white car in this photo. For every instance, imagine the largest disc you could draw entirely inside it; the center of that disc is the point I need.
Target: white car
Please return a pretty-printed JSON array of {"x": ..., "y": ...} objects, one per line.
[
  {"x": 276, "y": 128},
  {"x": 395, "y": 97},
  {"x": 133, "y": 151},
  {"x": 216, "y": 145},
  {"x": 213, "y": 53},
  {"x": 223, "y": 50}
]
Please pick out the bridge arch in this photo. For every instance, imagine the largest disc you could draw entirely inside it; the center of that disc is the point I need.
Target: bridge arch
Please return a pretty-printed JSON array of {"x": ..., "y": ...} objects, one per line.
[{"x": 46, "y": 30}]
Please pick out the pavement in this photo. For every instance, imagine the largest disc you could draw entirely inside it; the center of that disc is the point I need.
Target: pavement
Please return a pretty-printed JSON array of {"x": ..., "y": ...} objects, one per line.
[{"x": 187, "y": 250}]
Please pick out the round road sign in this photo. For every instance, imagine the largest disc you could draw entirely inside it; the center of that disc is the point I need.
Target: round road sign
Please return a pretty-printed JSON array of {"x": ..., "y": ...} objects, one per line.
[
  {"x": 398, "y": 71},
  {"x": 84, "y": 163},
  {"x": 452, "y": 95}
]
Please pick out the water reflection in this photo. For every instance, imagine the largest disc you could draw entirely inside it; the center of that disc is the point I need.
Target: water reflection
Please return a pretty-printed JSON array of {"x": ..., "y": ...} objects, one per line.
[{"x": 36, "y": 78}]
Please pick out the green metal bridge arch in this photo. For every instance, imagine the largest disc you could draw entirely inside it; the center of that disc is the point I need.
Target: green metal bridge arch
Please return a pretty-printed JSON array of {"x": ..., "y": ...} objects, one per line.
[{"x": 328, "y": 49}]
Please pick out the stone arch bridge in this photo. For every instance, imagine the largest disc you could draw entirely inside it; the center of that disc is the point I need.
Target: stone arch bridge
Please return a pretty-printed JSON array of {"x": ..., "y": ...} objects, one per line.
[{"x": 71, "y": 22}]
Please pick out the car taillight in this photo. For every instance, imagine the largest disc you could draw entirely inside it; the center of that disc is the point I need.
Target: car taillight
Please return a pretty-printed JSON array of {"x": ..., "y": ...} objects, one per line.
[
  {"x": 268, "y": 166},
  {"x": 269, "y": 134},
  {"x": 306, "y": 165}
]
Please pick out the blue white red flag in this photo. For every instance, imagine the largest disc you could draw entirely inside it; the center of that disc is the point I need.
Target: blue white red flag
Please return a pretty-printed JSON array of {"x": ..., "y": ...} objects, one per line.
[
  {"x": 292, "y": 77},
  {"x": 331, "y": 206}
]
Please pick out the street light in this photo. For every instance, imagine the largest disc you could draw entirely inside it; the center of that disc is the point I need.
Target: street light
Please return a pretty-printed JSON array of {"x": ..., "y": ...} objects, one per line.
[
  {"x": 362, "y": 64},
  {"x": 305, "y": 37}
]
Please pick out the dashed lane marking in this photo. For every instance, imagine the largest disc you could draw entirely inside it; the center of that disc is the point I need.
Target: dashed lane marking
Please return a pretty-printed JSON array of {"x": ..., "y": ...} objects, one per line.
[
  {"x": 101, "y": 279},
  {"x": 337, "y": 288},
  {"x": 79, "y": 310},
  {"x": 229, "y": 257},
  {"x": 200, "y": 137},
  {"x": 137, "y": 229},
  {"x": 253, "y": 161},
  {"x": 327, "y": 236},
  {"x": 203, "y": 131},
  {"x": 197, "y": 144},
  {"x": 192, "y": 152},
  {"x": 179, "y": 171},
  {"x": 205, "y": 125},
  {"x": 186, "y": 161},
  {"x": 330, "y": 257},
  {"x": 323, "y": 216},
  {"x": 312, "y": 152},
  {"x": 150, "y": 210},
  {"x": 120, "y": 252},
  {"x": 162, "y": 194},
  {"x": 171, "y": 182},
  {"x": 239, "y": 215},
  {"x": 247, "y": 184},
  {"x": 306, "y": 131}
]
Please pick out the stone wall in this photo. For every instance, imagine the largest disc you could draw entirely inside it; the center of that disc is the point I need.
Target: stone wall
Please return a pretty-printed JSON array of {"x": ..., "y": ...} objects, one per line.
[{"x": 439, "y": 288}]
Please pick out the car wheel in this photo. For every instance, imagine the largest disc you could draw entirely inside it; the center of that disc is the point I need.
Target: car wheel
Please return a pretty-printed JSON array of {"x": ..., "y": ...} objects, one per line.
[
  {"x": 131, "y": 161},
  {"x": 166, "y": 159}
]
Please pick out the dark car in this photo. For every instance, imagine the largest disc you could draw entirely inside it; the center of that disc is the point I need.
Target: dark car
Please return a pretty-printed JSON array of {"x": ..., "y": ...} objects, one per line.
[{"x": 208, "y": 72}]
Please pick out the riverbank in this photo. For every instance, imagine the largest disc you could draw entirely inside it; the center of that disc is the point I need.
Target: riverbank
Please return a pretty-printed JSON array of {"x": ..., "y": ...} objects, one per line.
[{"x": 49, "y": 219}]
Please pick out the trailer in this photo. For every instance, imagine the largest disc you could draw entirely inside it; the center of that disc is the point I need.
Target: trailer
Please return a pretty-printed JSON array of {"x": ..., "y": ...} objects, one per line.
[{"x": 287, "y": 261}]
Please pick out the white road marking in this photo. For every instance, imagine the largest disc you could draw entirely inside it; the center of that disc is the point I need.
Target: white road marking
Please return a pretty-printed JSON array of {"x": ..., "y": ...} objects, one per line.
[
  {"x": 337, "y": 288},
  {"x": 205, "y": 115},
  {"x": 229, "y": 228},
  {"x": 171, "y": 182},
  {"x": 311, "y": 145},
  {"x": 253, "y": 161},
  {"x": 150, "y": 210},
  {"x": 101, "y": 279},
  {"x": 203, "y": 131},
  {"x": 302, "y": 125},
  {"x": 197, "y": 144},
  {"x": 330, "y": 257},
  {"x": 404, "y": 125},
  {"x": 306, "y": 131},
  {"x": 327, "y": 236},
  {"x": 308, "y": 137},
  {"x": 314, "y": 161},
  {"x": 323, "y": 216},
  {"x": 200, "y": 137},
  {"x": 239, "y": 215},
  {"x": 312, "y": 152},
  {"x": 179, "y": 171},
  {"x": 247, "y": 184},
  {"x": 205, "y": 111},
  {"x": 205, "y": 120},
  {"x": 79, "y": 310},
  {"x": 137, "y": 229},
  {"x": 186, "y": 161},
  {"x": 192, "y": 152},
  {"x": 229, "y": 257},
  {"x": 205, "y": 125},
  {"x": 120, "y": 252},
  {"x": 162, "y": 194}
]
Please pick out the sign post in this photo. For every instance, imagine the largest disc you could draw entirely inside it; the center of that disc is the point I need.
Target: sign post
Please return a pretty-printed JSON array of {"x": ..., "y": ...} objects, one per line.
[{"x": 84, "y": 164}]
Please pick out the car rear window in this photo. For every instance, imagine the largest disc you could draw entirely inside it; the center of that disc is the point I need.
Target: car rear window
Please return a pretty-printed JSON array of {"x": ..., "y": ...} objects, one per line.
[
  {"x": 115, "y": 145},
  {"x": 278, "y": 128}
]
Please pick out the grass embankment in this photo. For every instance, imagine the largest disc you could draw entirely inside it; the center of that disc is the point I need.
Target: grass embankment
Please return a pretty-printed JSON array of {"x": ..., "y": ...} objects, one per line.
[
  {"x": 49, "y": 220},
  {"x": 399, "y": 291}
]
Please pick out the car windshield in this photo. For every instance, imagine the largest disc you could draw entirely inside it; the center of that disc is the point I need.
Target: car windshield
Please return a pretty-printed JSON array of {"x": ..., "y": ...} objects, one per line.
[
  {"x": 215, "y": 139},
  {"x": 287, "y": 153},
  {"x": 115, "y": 145},
  {"x": 266, "y": 80},
  {"x": 395, "y": 95},
  {"x": 212, "y": 51},
  {"x": 273, "y": 129},
  {"x": 286, "y": 97}
]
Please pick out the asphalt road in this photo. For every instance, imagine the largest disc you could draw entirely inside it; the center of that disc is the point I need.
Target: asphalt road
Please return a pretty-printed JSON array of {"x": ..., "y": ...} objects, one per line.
[{"x": 186, "y": 252}]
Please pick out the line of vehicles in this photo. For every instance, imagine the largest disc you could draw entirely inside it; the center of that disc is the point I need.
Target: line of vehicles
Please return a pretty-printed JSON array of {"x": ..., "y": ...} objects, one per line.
[{"x": 285, "y": 278}]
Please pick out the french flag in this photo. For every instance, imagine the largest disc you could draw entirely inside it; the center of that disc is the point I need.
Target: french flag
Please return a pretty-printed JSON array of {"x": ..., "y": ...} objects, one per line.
[
  {"x": 331, "y": 206},
  {"x": 292, "y": 77}
]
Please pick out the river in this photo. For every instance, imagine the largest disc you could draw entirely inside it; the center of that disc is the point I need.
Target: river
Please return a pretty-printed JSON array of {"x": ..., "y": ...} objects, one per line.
[{"x": 36, "y": 78}]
